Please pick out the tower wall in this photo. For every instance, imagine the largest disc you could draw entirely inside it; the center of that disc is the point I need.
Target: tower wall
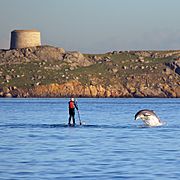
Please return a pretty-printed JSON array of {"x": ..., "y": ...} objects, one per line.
[{"x": 25, "y": 38}]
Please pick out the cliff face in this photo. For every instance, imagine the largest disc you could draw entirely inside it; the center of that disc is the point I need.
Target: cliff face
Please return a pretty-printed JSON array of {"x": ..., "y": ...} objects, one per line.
[
  {"x": 52, "y": 72},
  {"x": 76, "y": 89}
]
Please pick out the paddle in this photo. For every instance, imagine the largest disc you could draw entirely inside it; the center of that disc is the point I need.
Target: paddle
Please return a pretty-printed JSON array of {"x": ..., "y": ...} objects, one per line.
[
  {"x": 78, "y": 114},
  {"x": 79, "y": 118}
]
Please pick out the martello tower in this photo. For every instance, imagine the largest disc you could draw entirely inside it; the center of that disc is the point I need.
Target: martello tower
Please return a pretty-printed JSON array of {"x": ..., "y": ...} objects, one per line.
[{"x": 25, "y": 38}]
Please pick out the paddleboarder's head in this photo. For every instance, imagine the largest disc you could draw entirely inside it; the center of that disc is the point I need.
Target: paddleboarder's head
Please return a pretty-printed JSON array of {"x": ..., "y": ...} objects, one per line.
[{"x": 72, "y": 99}]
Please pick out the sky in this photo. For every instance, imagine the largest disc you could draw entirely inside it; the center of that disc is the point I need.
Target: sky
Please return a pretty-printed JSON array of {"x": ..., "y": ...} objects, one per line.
[{"x": 95, "y": 26}]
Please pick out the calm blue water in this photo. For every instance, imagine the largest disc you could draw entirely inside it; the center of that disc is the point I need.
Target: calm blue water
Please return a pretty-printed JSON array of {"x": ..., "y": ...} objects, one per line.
[{"x": 35, "y": 142}]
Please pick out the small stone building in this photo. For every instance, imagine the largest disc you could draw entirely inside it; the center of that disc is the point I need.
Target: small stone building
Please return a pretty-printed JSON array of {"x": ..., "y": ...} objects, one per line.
[{"x": 25, "y": 38}]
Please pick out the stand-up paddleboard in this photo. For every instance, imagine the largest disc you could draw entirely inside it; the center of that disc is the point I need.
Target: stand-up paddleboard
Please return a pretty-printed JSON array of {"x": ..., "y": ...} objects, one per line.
[{"x": 77, "y": 125}]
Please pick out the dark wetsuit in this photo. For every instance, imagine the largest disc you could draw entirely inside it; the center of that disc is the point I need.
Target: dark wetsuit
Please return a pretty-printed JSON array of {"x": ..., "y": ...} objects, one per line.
[{"x": 72, "y": 112}]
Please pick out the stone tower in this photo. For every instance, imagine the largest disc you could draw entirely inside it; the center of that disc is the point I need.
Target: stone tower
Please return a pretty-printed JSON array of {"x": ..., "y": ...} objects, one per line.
[{"x": 25, "y": 38}]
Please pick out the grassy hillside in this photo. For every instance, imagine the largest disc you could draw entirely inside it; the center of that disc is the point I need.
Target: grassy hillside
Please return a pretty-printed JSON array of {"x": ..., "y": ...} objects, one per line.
[{"x": 133, "y": 67}]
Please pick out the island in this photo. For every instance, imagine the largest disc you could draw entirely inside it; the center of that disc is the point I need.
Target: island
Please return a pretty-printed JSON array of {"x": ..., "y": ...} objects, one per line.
[{"x": 47, "y": 71}]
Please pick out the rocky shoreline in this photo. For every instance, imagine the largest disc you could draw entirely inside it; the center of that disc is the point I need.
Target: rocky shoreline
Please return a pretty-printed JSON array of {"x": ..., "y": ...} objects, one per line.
[{"x": 47, "y": 71}]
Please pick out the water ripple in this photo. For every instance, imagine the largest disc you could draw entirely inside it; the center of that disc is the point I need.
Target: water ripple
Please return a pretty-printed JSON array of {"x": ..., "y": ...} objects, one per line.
[{"x": 35, "y": 143}]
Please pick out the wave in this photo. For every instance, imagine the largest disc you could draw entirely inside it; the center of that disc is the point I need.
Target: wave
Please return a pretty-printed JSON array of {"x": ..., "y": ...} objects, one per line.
[{"x": 21, "y": 125}]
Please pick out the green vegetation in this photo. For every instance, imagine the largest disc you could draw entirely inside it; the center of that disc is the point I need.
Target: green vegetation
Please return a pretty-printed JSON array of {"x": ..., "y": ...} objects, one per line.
[{"x": 109, "y": 69}]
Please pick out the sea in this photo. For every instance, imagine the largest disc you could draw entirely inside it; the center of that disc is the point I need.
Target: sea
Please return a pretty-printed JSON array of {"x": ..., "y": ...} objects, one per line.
[{"x": 37, "y": 144}]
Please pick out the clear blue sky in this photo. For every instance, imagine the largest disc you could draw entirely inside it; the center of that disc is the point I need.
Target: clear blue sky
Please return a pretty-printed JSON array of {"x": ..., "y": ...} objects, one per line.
[{"x": 95, "y": 26}]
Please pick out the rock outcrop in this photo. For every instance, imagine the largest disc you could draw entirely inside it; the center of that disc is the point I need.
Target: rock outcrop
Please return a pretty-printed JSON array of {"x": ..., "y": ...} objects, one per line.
[
  {"x": 75, "y": 88},
  {"x": 47, "y": 71},
  {"x": 175, "y": 66},
  {"x": 45, "y": 53}
]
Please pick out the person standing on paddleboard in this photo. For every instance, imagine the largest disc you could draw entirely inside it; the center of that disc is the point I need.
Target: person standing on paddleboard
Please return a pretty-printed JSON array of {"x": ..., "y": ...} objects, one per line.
[{"x": 72, "y": 106}]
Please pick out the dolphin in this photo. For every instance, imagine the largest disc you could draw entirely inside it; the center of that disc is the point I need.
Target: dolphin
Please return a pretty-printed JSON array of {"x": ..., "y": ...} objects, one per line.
[{"x": 149, "y": 117}]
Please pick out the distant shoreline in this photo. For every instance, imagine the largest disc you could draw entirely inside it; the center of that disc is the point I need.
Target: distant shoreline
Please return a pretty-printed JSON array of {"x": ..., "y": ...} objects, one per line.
[{"x": 47, "y": 71}]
